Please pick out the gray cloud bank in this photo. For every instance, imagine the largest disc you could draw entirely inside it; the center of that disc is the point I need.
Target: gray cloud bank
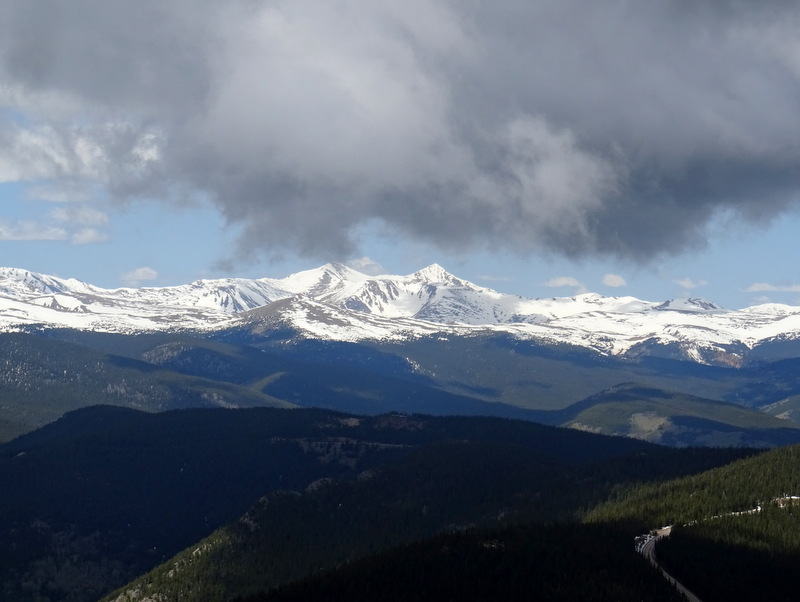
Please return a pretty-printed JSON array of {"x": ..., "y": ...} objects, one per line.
[{"x": 609, "y": 127}]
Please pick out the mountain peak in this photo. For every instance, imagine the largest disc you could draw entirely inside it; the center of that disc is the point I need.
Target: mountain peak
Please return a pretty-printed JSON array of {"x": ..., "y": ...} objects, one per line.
[
  {"x": 340, "y": 270},
  {"x": 436, "y": 274},
  {"x": 690, "y": 304},
  {"x": 15, "y": 280},
  {"x": 314, "y": 281}
]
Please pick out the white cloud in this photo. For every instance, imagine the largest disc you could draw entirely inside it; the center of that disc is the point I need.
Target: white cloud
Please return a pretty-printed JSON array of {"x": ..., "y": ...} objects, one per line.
[
  {"x": 83, "y": 222},
  {"x": 63, "y": 162},
  {"x": 135, "y": 277},
  {"x": 365, "y": 265},
  {"x": 65, "y": 192},
  {"x": 559, "y": 281},
  {"x": 76, "y": 223},
  {"x": 30, "y": 230},
  {"x": 614, "y": 280},
  {"x": 46, "y": 152},
  {"x": 759, "y": 287},
  {"x": 689, "y": 283},
  {"x": 567, "y": 281},
  {"x": 80, "y": 215},
  {"x": 86, "y": 236},
  {"x": 490, "y": 278}
]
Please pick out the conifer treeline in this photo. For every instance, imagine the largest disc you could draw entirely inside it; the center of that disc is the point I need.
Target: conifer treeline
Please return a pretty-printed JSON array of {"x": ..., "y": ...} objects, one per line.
[{"x": 741, "y": 485}]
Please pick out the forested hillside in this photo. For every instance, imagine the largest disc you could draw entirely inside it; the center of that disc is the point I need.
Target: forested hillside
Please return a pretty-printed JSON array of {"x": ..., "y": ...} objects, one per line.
[
  {"x": 106, "y": 493},
  {"x": 559, "y": 563},
  {"x": 279, "y": 546},
  {"x": 741, "y": 485},
  {"x": 42, "y": 378},
  {"x": 506, "y": 474},
  {"x": 260, "y": 498},
  {"x": 736, "y": 529}
]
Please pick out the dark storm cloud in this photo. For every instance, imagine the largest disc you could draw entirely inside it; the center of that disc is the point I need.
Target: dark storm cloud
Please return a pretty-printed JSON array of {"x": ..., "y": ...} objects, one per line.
[{"x": 609, "y": 127}]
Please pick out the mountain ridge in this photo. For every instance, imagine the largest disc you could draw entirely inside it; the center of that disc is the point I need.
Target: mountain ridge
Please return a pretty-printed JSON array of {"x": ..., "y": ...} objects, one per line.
[{"x": 336, "y": 302}]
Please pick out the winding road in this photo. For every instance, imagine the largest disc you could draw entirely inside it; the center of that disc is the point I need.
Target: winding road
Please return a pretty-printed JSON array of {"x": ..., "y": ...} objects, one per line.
[
  {"x": 648, "y": 550},
  {"x": 646, "y": 544}
]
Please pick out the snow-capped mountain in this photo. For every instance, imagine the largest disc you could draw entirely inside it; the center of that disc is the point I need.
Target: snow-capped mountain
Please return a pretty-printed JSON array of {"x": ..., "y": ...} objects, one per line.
[{"x": 338, "y": 303}]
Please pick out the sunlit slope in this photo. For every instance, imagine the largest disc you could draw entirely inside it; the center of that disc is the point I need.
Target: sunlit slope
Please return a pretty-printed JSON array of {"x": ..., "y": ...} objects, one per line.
[{"x": 671, "y": 418}]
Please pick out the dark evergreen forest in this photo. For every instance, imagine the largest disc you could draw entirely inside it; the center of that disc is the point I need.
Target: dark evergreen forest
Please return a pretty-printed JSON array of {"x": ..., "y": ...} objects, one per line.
[{"x": 315, "y": 504}]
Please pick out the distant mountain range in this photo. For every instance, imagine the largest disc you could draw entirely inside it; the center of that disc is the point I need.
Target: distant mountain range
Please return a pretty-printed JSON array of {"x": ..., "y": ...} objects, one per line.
[
  {"x": 681, "y": 372},
  {"x": 337, "y": 303}
]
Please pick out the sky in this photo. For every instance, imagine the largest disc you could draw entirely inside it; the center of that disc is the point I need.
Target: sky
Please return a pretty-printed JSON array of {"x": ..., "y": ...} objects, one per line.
[{"x": 537, "y": 147}]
